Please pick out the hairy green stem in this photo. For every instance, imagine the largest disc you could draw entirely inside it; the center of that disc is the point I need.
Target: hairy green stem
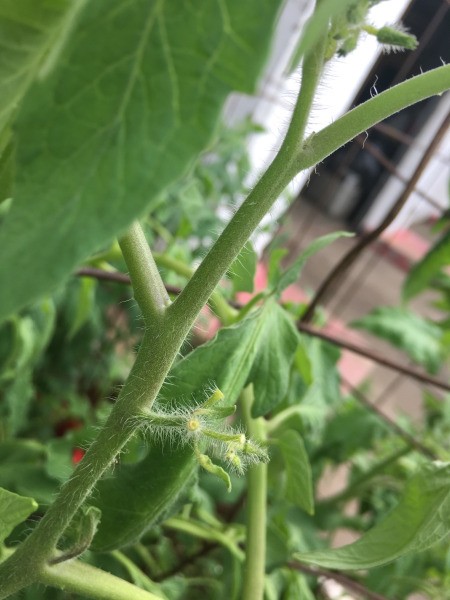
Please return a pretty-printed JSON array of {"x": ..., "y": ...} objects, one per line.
[
  {"x": 158, "y": 349},
  {"x": 81, "y": 578},
  {"x": 134, "y": 572},
  {"x": 148, "y": 287},
  {"x": 258, "y": 203},
  {"x": 320, "y": 145},
  {"x": 255, "y": 550},
  {"x": 226, "y": 313}
]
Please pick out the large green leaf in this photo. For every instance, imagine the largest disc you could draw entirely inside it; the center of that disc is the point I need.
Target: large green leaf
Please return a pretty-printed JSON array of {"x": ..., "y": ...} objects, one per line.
[
  {"x": 323, "y": 377},
  {"x": 299, "y": 487},
  {"x": 228, "y": 362},
  {"x": 28, "y": 31},
  {"x": 13, "y": 510},
  {"x": 314, "y": 389},
  {"x": 6, "y": 176},
  {"x": 421, "y": 519},
  {"x": 423, "y": 272},
  {"x": 419, "y": 338},
  {"x": 271, "y": 368},
  {"x": 135, "y": 97},
  {"x": 259, "y": 350}
]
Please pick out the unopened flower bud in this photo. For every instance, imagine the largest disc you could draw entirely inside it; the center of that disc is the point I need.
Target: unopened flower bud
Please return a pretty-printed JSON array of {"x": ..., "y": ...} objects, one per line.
[{"x": 397, "y": 38}]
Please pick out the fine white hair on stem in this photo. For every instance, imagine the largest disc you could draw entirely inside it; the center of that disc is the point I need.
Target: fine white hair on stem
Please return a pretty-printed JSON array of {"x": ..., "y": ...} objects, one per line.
[
  {"x": 365, "y": 139},
  {"x": 373, "y": 89}
]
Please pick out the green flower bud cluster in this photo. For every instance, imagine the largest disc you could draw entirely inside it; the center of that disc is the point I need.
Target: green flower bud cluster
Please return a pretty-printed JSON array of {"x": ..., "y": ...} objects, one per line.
[
  {"x": 205, "y": 428},
  {"x": 346, "y": 28}
]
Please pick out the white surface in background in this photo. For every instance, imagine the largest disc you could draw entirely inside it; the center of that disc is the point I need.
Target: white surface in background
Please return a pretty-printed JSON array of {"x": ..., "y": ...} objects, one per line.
[{"x": 341, "y": 82}]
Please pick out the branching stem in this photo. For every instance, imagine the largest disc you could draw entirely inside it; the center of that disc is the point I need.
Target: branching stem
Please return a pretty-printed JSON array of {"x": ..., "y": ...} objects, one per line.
[
  {"x": 226, "y": 313},
  {"x": 280, "y": 172},
  {"x": 148, "y": 287}
]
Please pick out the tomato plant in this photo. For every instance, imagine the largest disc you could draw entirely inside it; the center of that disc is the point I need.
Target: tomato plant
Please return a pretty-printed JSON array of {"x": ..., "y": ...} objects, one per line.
[{"x": 106, "y": 108}]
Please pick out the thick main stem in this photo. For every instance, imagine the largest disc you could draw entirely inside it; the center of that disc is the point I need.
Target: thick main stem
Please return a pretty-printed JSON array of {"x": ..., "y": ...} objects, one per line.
[
  {"x": 155, "y": 357},
  {"x": 157, "y": 352},
  {"x": 255, "y": 549}
]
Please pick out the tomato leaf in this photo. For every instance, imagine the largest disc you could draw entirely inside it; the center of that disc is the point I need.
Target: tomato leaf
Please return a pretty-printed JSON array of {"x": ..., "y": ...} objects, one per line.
[
  {"x": 271, "y": 367},
  {"x": 280, "y": 280},
  {"x": 29, "y": 29},
  {"x": 135, "y": 97},
  {"x": 13, "y": 510},
  {"x": 427, "y": 268},
  {"x": 418, "y": 337},
  {"x": 299, "y": 486},
  {"x": 421, "y": 519},
  {"x": 239, "y": 355}
]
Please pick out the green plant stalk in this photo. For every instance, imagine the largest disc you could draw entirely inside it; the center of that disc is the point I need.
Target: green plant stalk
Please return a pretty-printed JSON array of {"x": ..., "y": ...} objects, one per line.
[
  {"x": 226, "y": 313},
  {"x": 148, "y": 287},
  {"x": 163, "y": 339},
  {"x": 159, "y": 347},
  {"x": 320, "y": 145},
  {"x": 81, "y": 578},
  {"x": 255, "y": 550},
  {"x": 133, "y": 570},
  {"x": 258, "y": 203},
  {"x": 158, "y": 350},
  {"x": 205, "y": 532},
  {"x": 150, "y": 564}
]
